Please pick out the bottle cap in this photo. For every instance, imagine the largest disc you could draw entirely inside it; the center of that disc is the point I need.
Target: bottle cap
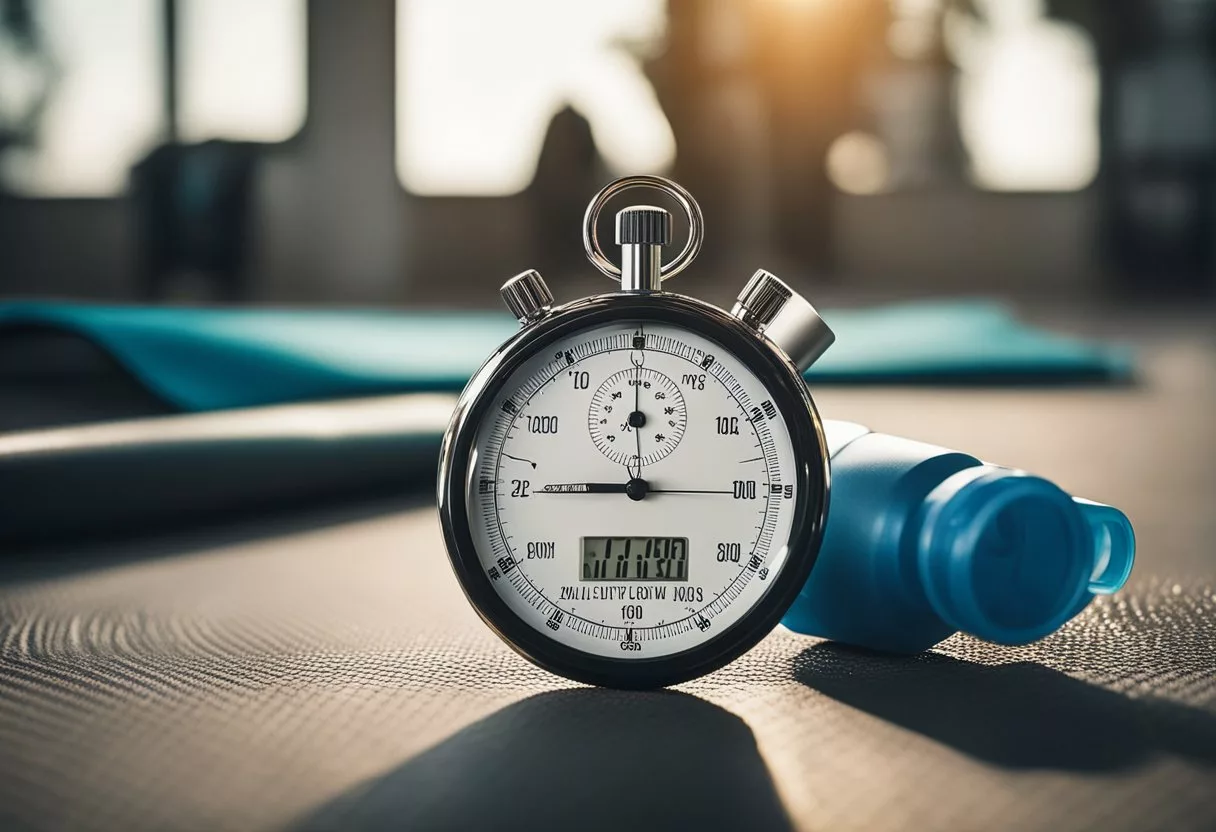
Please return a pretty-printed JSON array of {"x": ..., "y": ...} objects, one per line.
[{"x": 1009, "y": 557}]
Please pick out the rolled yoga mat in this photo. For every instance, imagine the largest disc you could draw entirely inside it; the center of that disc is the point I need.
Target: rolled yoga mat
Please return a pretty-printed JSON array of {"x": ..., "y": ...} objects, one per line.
[{"x": 215, "y": 359}]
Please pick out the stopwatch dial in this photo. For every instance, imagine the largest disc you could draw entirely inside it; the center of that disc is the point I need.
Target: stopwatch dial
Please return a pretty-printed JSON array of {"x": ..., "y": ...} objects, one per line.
[
  {"x": 625, "y": 553},
  {"x": 637, "y": 416}
]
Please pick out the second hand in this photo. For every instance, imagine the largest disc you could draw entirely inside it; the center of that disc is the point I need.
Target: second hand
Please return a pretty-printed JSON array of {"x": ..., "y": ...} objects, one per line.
[
  {"x": 686, "y": 491},
  {"x": 637, "y": 485}
]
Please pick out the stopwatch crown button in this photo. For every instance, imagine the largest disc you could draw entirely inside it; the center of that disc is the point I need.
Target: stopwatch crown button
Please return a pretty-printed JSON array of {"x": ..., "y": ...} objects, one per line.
[
  {"x": 643, "y": 225},
  {"x": 786, "y": 318},
  {"x": 761, "y": 299},
  {"x": 527, "y": 296}
]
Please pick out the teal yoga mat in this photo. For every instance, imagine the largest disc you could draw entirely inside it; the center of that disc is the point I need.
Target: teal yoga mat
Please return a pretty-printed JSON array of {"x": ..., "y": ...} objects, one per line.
[{"x": 214, "y": 359}]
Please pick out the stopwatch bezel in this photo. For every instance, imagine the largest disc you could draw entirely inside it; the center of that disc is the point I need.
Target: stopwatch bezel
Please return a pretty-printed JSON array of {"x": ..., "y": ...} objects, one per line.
[{"x": 789, "y": 394}]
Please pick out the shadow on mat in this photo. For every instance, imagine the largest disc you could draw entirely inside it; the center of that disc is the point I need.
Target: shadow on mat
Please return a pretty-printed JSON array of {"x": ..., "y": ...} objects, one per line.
[
  {"x": 577, "y": 759},
  {"x": 1020, "y": 715}
]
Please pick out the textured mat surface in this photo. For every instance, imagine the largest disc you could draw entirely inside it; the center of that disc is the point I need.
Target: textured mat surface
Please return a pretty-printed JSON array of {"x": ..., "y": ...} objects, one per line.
[
  {"x": 323, "y": 680},
  {"x": 322, "y": 671}
]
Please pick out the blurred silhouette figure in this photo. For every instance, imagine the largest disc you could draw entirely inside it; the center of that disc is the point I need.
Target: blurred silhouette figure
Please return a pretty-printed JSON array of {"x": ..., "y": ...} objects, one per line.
[
  {"x": 568, "y": 172},
  {"x": 192, "y": 205},
  {"x": 480, "y": 79}
]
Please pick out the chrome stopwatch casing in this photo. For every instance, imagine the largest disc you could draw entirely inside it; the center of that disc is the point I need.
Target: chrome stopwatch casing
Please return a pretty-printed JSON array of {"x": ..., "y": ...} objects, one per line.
[{"x": 710, "y": 549}]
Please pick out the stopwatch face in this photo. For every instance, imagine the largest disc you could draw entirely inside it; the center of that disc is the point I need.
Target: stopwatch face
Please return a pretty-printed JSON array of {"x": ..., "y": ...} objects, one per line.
[{"x": 634, "y": 490}]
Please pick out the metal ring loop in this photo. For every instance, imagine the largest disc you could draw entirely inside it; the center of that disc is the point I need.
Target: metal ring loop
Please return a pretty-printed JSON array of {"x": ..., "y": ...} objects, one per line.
[{"x": 696, "y": 223}]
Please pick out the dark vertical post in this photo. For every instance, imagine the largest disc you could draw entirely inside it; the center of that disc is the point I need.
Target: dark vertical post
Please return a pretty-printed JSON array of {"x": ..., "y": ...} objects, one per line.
[{"x": 169, "y": 38}]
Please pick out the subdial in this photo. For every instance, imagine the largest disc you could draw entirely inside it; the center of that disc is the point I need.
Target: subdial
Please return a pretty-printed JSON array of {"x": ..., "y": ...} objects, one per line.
[{"x": 637, "y": 417}]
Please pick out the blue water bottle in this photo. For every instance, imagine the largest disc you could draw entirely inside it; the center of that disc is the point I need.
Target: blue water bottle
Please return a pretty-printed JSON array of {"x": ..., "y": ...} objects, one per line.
[{"x": 923, "y": 541}]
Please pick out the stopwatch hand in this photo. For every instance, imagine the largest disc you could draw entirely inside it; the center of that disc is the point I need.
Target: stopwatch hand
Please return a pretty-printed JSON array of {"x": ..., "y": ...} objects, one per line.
[
  {"x": 687, "y": 491},
  {"x": 637, "y": 488},
  {"x": 585, "y": 488}
]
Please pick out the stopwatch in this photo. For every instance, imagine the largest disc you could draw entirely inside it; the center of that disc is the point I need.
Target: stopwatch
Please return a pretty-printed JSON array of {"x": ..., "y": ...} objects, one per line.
[{"x": 633, "y": 488}]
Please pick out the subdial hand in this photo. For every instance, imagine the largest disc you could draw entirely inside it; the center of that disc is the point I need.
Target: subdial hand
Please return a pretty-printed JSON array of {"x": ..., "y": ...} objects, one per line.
[
  {"x": 617, "y": 419},
  {"x": 636, "y": 419}
]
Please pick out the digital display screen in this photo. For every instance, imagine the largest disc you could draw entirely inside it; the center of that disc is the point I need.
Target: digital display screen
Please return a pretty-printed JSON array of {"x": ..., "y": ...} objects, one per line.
[{"x": 635, "y": 559}]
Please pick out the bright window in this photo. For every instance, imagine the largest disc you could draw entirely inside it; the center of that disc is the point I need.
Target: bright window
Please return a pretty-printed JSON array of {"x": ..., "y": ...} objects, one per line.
[
  {"x": 85, "y": 100},
  {"x": 243, "y": 69},
  {"x": 1028, "y": 98},
  {"x": 478, "y": 82},
  {"x": 96, "y": 76}
]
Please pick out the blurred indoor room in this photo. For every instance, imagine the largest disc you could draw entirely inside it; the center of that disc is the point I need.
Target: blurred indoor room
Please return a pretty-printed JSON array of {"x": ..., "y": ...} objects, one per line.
[
  {"x": 251, "y": 253},
  {"x": 284, "y": 152}
]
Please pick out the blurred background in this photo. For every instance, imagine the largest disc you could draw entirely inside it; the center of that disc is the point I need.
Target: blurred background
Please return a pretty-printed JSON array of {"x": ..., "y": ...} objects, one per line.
[
  {"x": 223, "y": 596},
  {"x": 421, "y": 151}
]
